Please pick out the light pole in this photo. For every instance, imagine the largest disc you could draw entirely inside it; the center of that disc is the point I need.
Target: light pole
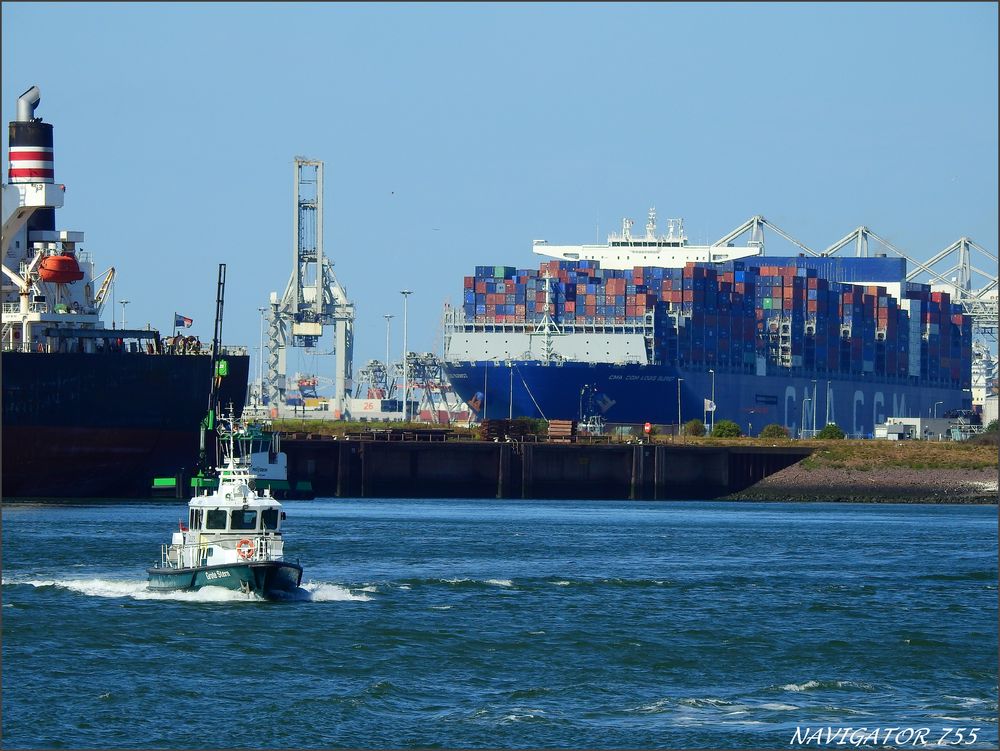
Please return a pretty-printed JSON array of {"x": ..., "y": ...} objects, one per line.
[
  {"x": 388, "y": 326},
  {"x": 406, "y": 375},
  {"x": 802, "y": 429},
  {"x": 813, "y": 433},
  {"x": 679, "y": 380},
  {"x": 260, "y": 365},
  {"x": 827, "y": 404},
  {"x": 123, "y": 304},
  {"x": 713, "y": 397},
  {"x": 935, "y": 404}
]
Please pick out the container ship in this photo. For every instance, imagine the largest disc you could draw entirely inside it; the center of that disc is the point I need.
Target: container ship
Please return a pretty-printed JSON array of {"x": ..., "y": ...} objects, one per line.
[
  {"x": 88, "y": 411},
  {"x": 654, "y": 329}
]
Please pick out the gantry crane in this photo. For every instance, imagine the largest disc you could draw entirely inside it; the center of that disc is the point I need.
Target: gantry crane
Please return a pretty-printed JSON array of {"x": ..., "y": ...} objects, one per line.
[
  {"x": 313, "y": 297},
  {"x": 978, "y": 303}
]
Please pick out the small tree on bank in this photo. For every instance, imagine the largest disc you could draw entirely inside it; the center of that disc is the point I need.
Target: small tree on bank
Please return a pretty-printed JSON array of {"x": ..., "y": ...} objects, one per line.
[
  {"x": 992, "y": 427},
  {"x": 831, "y": 431},
  {"x": 774, "y": 431},
  {"x": 726, "y": 429},
  {"x": 693, "y": 428}
]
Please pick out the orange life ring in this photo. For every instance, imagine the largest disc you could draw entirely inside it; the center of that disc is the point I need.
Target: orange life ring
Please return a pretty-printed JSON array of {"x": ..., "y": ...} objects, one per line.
[{"x": 245, "y": 548}]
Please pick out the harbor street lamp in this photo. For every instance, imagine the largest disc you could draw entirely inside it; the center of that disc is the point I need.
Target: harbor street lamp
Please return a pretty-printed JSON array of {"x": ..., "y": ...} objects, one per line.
[
  {"x": 260, "y": 365},
  {"x": 827, "y": 403},
  {"x": 813, "y": 433},
  {"x": 802, "y": 430},
  {"x": 406, "y": 375},
  {"x": 123, "y": 304},
  {"x": 935, "y": 403},
  {"x": 388, "y": 326},
  {"x": 679, "y": 381},
  {"x": 713, "y": 397}
]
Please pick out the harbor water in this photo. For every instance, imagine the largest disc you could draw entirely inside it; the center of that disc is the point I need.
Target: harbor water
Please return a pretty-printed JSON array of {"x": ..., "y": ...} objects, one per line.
[{"x": 478, "y": 624}]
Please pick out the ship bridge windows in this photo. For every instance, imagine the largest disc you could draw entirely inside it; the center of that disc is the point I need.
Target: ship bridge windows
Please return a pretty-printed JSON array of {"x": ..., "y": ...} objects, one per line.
[
  {"x": 244, "y": 519},
  {"x": 269, "y": 518},
  {"x": 215, "y": 518},
  {"x": 196, "y": 519}
]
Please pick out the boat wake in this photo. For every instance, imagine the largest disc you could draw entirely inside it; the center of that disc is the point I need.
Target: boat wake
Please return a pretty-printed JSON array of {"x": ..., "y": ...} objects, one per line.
[
  {"x": 324, "y": 592},
  {"x": 137, "y": 589}
]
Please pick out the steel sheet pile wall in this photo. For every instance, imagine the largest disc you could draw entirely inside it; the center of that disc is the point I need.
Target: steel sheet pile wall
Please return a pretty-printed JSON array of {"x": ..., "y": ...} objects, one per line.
[{"x": 792, "y": 315}]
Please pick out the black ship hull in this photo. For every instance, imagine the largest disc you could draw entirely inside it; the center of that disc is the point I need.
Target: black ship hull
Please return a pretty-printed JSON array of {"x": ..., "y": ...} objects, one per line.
[{"x": 103, "y": 425}]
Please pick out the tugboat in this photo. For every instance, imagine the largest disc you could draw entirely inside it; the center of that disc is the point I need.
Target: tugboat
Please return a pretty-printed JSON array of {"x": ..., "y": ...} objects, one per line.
[{"x": 232, "y": 538}]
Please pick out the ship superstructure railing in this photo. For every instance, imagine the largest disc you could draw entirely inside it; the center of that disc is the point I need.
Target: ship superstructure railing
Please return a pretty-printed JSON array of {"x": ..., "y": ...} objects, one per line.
[
  {"x": 13, "y": 308},
  {"x": 262, "y": 548}
]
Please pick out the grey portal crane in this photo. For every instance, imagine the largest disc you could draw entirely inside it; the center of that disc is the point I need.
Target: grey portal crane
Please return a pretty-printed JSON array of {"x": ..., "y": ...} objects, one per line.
[{"x": 313, "y": 297}]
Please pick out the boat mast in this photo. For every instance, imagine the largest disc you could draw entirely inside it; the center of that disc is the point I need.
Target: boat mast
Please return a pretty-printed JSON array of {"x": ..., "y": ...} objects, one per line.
[{"x": 208, "y": 424}]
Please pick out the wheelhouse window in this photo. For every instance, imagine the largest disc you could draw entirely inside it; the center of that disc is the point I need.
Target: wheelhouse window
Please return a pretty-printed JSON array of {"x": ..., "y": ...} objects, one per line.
[
  {"x": 269, "y": 518},
  {"x": 195, "y": 523},
  {"x": 215, "y": 519},
  {"x": 244, "y": 519}
]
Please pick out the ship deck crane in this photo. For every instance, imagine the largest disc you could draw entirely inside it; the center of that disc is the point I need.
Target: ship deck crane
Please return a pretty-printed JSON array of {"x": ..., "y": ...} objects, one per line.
[{"x": 313, "y": 298}]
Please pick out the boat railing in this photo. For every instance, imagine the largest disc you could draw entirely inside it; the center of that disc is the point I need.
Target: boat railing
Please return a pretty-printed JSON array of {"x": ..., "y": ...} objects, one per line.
[{"x": 264, "y": 548}]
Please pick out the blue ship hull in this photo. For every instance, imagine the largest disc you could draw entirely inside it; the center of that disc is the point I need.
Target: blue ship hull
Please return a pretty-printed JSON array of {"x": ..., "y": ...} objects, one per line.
[{"x": 637, "y": 394}]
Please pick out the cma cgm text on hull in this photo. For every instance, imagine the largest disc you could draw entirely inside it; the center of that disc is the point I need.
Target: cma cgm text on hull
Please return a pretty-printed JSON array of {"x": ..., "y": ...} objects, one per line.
[{"x": 799, "y": 341}]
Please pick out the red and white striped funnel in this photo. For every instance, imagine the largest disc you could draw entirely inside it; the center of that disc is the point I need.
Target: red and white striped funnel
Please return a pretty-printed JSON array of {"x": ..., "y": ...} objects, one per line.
[{"x": 31, "y": 159}]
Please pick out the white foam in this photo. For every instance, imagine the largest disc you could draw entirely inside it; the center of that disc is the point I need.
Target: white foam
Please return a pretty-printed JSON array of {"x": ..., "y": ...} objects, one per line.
[
  {"x": 778, "y": 707},
  {"x": 322, "y": 592},
  {"x": 561, "y": 583},
  {"x": 800, "y": 686},
  {"x": 657, "y": 706},
  {"x": 500, "y": 582},
  {"x": 440, "y": 607},
  {"x": 528, "y": 714},
  {"x": 138, "y": 589},
  {"x": 808, "y": 685}
]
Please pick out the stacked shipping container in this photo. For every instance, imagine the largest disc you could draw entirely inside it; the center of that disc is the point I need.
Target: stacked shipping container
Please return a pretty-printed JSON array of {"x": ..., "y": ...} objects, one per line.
[{"x": 744, "y": 315}]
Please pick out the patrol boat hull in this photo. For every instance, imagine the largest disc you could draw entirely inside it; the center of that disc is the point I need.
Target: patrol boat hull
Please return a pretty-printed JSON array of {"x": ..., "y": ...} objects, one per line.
[{"x": 268, "y": 579}]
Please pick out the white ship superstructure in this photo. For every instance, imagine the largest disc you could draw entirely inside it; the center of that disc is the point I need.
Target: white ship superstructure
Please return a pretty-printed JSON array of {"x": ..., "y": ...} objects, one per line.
[
  {"x": 672, "y": 250},
  {"x": 48, "y": 287}
]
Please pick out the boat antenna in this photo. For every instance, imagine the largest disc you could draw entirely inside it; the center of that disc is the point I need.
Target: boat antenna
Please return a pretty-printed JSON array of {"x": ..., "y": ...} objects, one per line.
[{"x": 208, "y": 424}]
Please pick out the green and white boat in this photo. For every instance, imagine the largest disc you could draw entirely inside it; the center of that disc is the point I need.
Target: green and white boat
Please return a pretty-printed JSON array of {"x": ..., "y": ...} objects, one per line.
[{"x": 233, "y": 535}]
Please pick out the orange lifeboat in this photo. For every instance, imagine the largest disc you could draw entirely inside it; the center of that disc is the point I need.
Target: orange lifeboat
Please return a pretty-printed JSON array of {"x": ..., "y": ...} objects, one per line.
[{"x": 60, "y": 269}]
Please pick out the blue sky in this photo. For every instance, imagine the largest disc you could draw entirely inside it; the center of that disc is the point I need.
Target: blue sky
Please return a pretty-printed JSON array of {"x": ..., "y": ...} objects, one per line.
[{"x": 454, "y": 134}]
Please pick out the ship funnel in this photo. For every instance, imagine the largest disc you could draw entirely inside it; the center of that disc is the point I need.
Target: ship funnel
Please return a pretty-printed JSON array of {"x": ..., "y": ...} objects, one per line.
[
  {"x": 31, "y": 159},
  {"x": 26, "y": 104}
]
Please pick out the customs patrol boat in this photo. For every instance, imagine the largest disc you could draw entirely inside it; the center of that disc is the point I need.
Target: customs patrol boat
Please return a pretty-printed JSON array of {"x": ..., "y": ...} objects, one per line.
[{"x": 232, "y": 537}]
